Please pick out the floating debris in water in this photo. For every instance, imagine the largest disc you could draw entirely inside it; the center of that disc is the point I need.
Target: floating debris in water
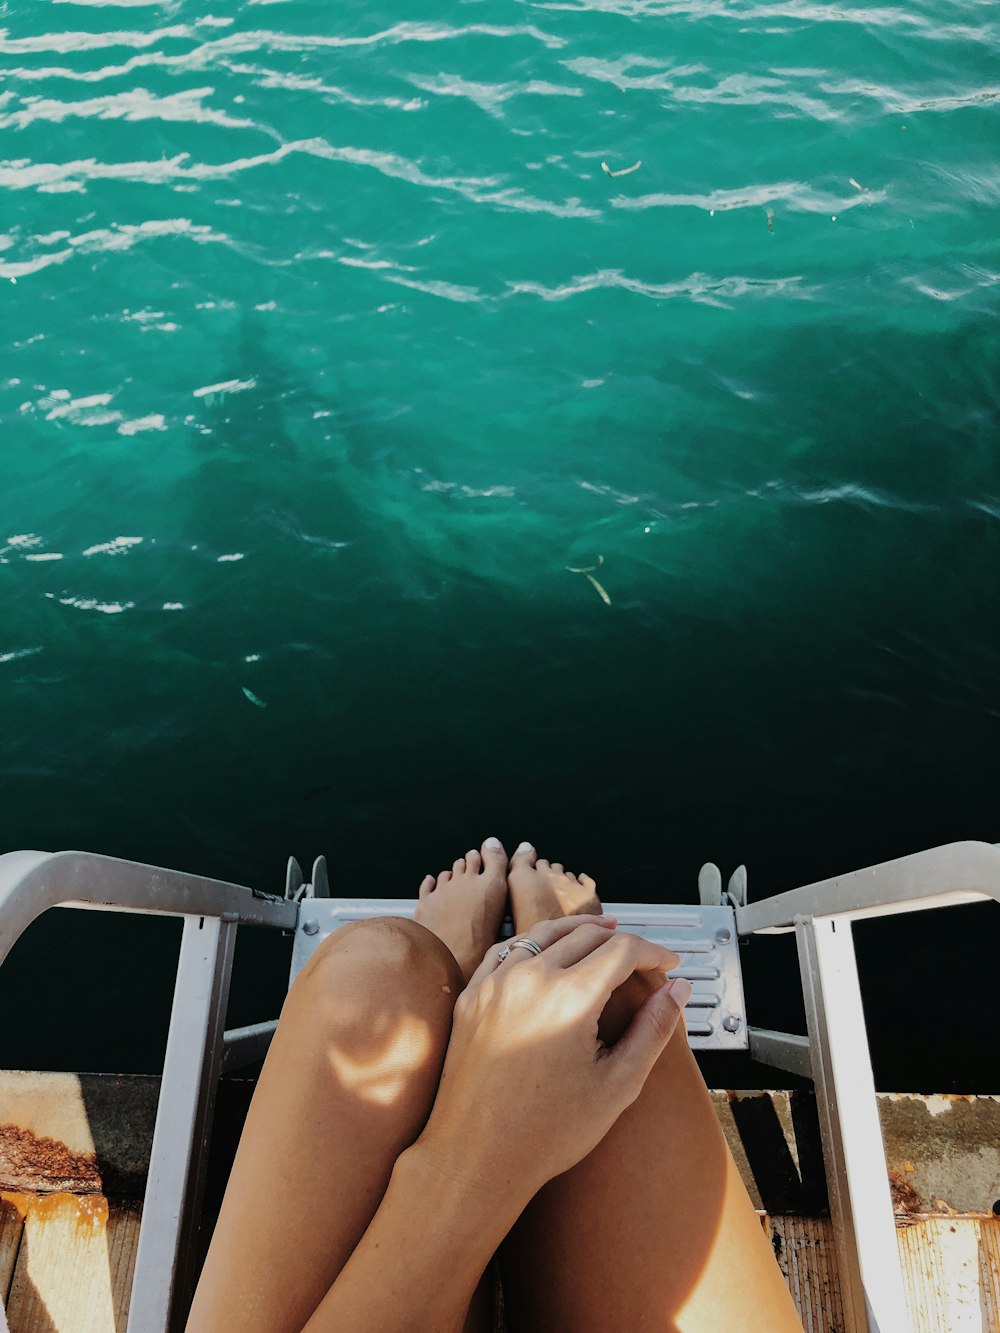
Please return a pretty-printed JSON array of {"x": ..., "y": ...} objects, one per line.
[
  {"x": 254, "y": 699},
  {"x": 852, "y": 181},
  {"x": 770, "y": 221},
  {"x": 601, "y": 590},
  {"x": 224, "y": 386},
  {"x": 587, "y": 572},
  {"x": 586, "y": 569},
  {"x": 624, "y": 171}
]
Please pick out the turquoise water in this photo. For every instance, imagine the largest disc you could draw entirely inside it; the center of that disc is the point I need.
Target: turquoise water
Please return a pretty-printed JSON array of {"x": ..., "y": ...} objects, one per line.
[{"x": 331, "y": 349}]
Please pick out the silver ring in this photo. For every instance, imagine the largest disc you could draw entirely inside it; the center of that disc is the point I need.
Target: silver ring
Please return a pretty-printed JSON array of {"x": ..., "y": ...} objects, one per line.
[{"x": 523, "y": 943}]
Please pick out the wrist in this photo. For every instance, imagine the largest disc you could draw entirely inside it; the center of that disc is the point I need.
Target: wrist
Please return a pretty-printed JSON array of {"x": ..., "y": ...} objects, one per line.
[{"x": 481, "y": 1186}]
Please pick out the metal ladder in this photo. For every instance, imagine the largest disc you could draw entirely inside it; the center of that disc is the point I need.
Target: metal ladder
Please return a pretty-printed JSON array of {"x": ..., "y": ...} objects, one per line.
[{"x": 834, "y": 1054}]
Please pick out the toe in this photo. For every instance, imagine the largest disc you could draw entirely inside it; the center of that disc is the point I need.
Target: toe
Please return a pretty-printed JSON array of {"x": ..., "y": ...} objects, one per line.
[
  {"x": 541, "y": 864},
  {"x": 494, "y": 856},
  {"x": 459, "y": 867},
  {"x": 473, "y": 862},
  {"x": 570, "y": 876},
  {"x": 588, "y": 883},
  {"x": 444, "y": 877},
  {"x": 426, "y": 885},
  {"x": 558, "y": 867},
  {"x": 524, "y": 856}
]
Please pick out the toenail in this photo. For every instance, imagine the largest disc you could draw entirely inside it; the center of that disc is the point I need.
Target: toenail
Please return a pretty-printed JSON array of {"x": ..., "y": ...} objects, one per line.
[
  {"x": 493, "y": 845},
  {"x": 525, "y": 847}
]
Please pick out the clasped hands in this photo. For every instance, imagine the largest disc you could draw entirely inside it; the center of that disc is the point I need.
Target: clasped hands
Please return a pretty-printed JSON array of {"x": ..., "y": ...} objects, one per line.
[{"x": 528, "y": 1086}]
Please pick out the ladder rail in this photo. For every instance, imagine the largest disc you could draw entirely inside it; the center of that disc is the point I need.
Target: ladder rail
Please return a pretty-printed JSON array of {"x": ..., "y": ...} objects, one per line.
[
  {"x": 836, "y": 1054},
  {"x": 31, "y": 883}
]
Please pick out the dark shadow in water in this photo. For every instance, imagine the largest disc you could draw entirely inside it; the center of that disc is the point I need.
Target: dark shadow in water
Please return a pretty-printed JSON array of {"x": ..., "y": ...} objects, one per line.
[{"x": 820, "y": 697}]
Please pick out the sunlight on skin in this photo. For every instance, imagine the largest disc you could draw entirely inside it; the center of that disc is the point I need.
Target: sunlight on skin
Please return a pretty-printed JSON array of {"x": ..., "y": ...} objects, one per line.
[
  {"x": 717, "y": 1266},
  {"x": 381, "y": 1076}
]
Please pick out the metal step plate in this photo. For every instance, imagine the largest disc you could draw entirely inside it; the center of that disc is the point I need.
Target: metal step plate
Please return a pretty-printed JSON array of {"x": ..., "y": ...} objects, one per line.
[{"x": 703, "y": 937}]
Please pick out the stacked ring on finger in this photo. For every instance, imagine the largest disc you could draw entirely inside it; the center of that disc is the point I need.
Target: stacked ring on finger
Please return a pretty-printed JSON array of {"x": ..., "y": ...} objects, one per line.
[{"x": 522, "y": 943}]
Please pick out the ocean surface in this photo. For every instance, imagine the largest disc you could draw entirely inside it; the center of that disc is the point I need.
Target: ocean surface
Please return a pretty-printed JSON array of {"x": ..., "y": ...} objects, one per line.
[{"x": 572, "y": 420}]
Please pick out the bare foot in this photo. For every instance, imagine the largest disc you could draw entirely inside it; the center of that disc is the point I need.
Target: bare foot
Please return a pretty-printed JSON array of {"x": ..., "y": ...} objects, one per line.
[
  {"x": 465, "y": 905},
  {"x": 543, "y": 890}
]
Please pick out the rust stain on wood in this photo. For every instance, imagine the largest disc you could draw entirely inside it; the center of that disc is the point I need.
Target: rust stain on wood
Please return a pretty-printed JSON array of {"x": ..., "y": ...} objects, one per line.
[
  {"x": 906, "y": 1202},
  {"x": 29, "y": 1162},
  {"x": 74, "y": 1264}
]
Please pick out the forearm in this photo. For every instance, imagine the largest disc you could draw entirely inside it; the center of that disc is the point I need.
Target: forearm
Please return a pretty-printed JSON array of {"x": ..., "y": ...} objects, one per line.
[{"x": 418, "y": 1264}]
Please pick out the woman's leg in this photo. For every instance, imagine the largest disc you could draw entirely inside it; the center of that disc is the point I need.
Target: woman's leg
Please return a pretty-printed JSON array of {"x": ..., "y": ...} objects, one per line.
[
  {"x": 654, "y": 1229},
  {"x": 347, "y": 1085}
]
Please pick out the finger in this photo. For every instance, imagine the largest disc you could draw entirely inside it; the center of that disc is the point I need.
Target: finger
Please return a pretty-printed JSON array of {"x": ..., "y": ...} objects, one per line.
[
  {"x": 546, "y": 933},
  {"x": 655, "y": 1021},
  {"x": 576, "y": 945},
  {"x": 614, "y": 961},
  {"x": 490, "y": 963}
]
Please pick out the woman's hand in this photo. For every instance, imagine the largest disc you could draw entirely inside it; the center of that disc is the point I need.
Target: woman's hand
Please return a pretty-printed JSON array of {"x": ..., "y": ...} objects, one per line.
[{"x": 528, "y": 1088}]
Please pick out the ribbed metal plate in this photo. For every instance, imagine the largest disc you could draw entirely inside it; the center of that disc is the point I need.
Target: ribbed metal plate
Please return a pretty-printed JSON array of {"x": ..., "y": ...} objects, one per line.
[{"x": 703, "y": 937}]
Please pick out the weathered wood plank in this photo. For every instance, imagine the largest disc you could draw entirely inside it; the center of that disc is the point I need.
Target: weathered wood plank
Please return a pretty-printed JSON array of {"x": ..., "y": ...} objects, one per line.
[
  {"x": 951, "y": 1271},
  {"x": 989, "y": 1270},
  {"x": 804, "y": 1249},
  {"x": 123, "y": 1243},
  {"x": 950, "y": 1281},
  {"x": 72, "y": 1272},
  {"x": 11, "y": 1229},
  {"x": 74, "y": 1269}
]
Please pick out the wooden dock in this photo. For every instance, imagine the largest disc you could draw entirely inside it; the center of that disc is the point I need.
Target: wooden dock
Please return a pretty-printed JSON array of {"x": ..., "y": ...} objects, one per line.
[{"x": 74, "y": 1149}]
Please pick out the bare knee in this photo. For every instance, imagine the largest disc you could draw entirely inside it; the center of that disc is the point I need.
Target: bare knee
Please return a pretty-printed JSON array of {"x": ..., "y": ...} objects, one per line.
[{"x": 373, "y": 970}]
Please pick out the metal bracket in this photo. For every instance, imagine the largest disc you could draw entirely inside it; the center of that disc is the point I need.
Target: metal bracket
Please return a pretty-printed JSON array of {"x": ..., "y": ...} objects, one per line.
[
  {"x": 710, "y": 892},
  {"x": 298, "y": 889},
  {"x": 710, "y": 885},
  {"x": 293, "y": 880},
  {"x": 737, "y": 888}
]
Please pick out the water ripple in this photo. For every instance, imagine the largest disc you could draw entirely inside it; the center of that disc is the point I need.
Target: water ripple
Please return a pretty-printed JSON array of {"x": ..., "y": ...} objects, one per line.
[
  {"x": 490, "y": 97},
  {"x": 449, "y": 291},
  {"x": 787, "y": 12},
  {"x": 121, "y": 236},
  {"x": 136, "y": 104},
  {"x": 698, "y": 287},
  {"x": 62, "y": 43},
  {"x": 796, "y": 195}
]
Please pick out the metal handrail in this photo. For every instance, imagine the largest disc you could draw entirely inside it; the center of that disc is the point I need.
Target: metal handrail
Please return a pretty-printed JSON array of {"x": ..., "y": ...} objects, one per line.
[
  {"x": 958, "y": 872},
  {"x": 32, "y": 882}
]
